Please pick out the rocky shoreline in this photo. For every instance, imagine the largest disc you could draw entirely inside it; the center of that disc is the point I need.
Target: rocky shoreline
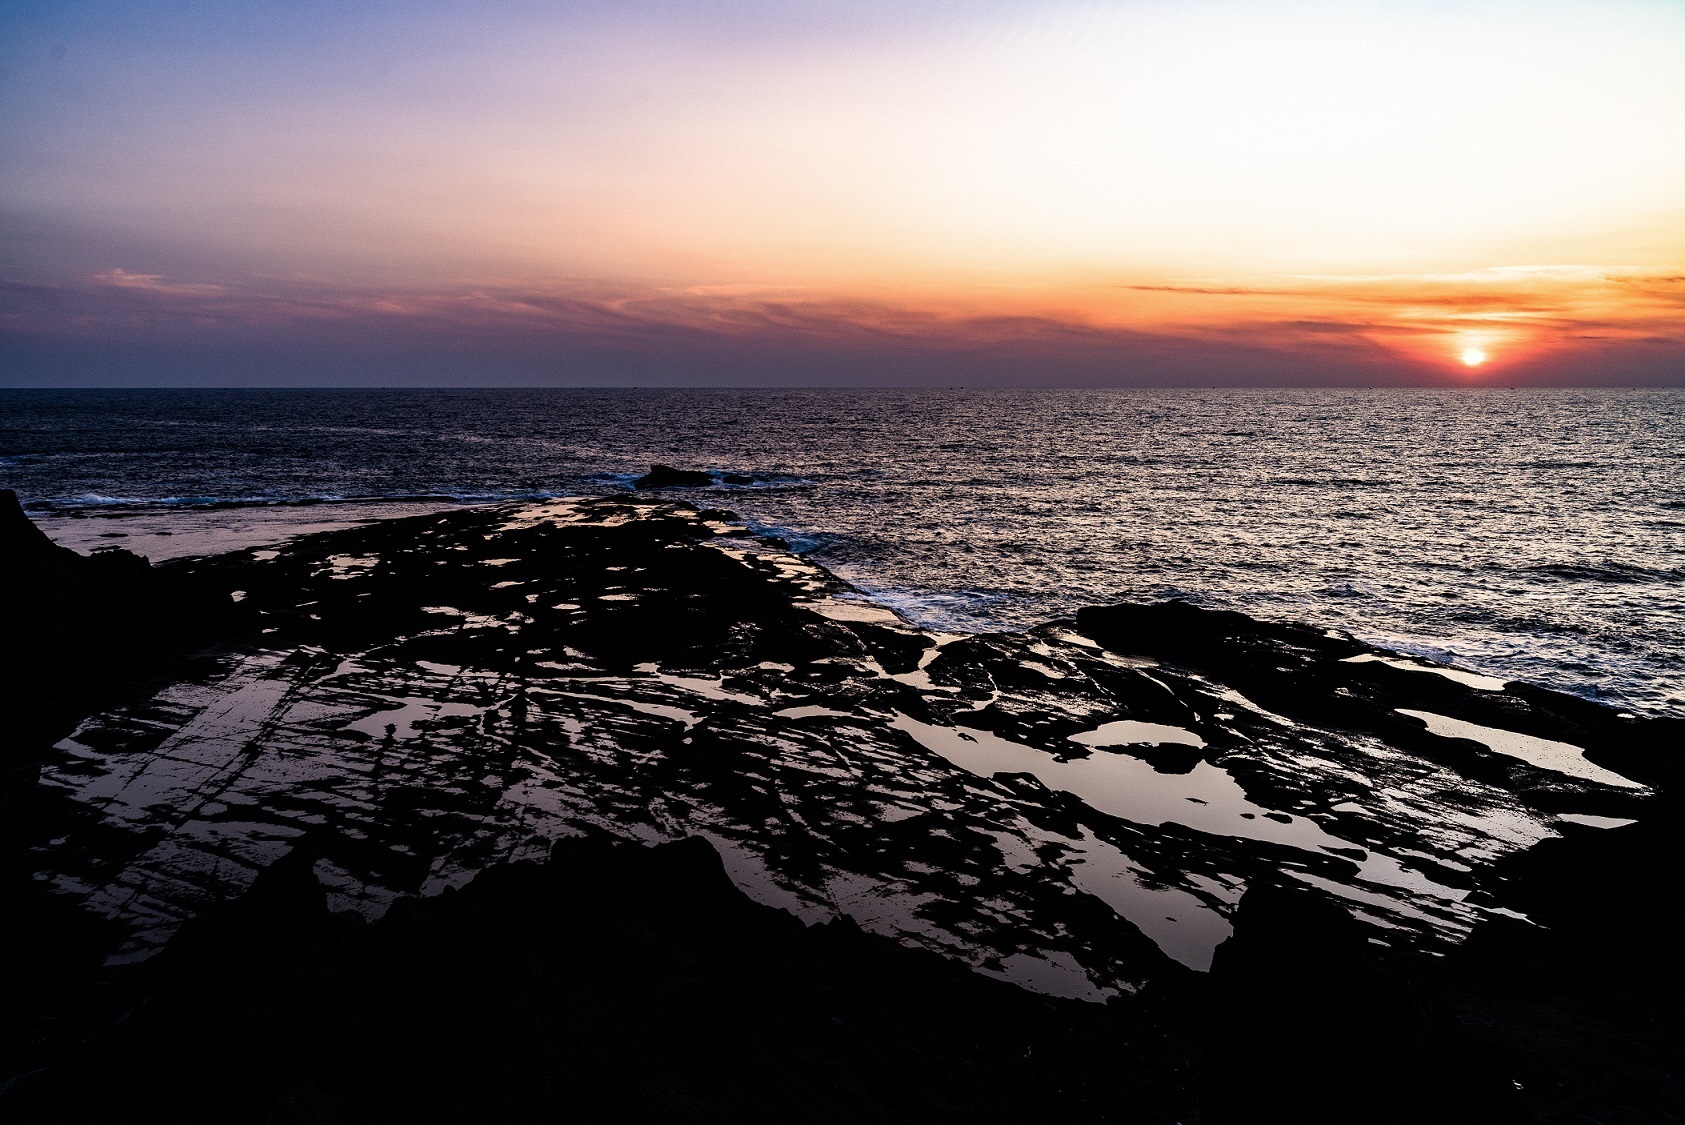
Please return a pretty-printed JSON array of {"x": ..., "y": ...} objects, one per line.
[{"x": 1232, "y": 870}]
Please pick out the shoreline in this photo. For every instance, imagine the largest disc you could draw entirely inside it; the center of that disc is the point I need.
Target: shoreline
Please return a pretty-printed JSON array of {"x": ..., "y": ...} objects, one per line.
[
  {"x": 166, "y": 535},
  {"x": 171, "y": 533}
]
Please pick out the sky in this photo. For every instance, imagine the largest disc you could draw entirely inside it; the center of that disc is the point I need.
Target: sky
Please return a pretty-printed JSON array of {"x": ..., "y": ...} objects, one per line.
[{"x": 843, "y": 192}]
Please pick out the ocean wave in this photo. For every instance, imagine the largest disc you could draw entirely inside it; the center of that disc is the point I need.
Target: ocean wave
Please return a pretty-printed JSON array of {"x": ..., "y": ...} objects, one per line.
[
  {"x": 726, "y": 481},
  {"x": 1605, "y": 572},
  {"x": 1350, "y": 590},
  {"x": 800, "y": 542},
  {"x": 1331, "y": 482},
  {"x": 953, "y": 611}
]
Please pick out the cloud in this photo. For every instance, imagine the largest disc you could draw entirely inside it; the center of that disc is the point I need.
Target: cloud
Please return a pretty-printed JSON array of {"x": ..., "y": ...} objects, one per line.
[
  {"x": 1665, "y": 289},
  {"x": 1205, "y": 290},
  {"x": 1365, "y": 331},
  {"x": 154, "y": 283}
]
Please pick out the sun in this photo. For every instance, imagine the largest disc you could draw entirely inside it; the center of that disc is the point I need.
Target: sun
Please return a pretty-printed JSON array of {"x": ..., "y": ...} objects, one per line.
[{"x": 1473, "y": 357}]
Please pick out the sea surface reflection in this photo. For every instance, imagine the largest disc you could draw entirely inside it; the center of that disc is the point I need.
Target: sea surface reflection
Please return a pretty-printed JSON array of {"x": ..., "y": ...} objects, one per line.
[{"x": 1535, "y": 535}]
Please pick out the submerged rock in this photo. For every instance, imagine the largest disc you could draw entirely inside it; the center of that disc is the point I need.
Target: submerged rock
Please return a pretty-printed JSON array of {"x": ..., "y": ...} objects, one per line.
[{"x": 665, "y": 476}]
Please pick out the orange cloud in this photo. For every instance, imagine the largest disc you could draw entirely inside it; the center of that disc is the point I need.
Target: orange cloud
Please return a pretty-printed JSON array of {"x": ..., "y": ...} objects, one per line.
[
  {"x": 155, "y": 283},
  {"x": 1392, "y": 327}
]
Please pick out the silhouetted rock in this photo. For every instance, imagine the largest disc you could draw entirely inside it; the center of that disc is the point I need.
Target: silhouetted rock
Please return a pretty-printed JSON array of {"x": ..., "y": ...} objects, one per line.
[
  {"x": 77, "y": 633},
  {"x": 74, "y": 627},
  {"x": 21, "y": 542},
  {"x": 1581, "y": 1004},
  {"x": 1568, "y": 1013},
  {"x": 613, "y": 983},
  {"x": 1306, "y": 1024},
  {"x": 665, "y": 476}
]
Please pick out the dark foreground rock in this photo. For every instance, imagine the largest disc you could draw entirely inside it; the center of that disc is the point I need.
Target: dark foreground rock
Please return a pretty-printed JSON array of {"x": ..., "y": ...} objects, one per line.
[
  {"x": 1421, "y": 894},
  {"x": 611, "y": 983},
  {"x": 77, "y": 630},
  {"x": 1300, "y": 1002},
  {"x": 1583, "y": 1006},
  {"x": 78, "y": 633}
]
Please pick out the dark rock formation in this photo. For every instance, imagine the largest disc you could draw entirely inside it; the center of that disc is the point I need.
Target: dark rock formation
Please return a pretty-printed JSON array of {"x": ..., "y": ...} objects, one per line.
[
  {"x": 21, "y": 542},
  {"x": 1306, "y": 1023},
  {"x": 1582, "y": 1006},
  {"x": 1311, "y": 676},
  {"x": 74, "y": 627},
  {"x": 1566, "y": 1008},
  {"x": 665, "y": 476},
  {"x": 1077, "y": 808},
  {"x": 77, "y": 633},
  {"x": 612, "y": 983}
]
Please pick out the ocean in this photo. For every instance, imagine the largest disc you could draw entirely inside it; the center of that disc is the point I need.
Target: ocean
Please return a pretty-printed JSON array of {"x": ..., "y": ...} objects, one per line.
[{"x": 1528, "y": 534}]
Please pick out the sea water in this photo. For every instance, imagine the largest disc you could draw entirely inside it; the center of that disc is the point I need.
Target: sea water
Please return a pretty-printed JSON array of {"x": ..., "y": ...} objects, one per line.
[{"x": 1520, "y": 534}]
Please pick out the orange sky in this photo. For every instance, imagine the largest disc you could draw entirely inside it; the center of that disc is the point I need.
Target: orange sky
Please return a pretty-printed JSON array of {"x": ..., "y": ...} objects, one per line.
[{"x": 1395, "y": 187}]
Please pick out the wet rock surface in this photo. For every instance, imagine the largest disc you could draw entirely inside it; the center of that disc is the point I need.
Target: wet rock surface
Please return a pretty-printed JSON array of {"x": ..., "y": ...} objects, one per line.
[{"x": 1079, "y": 809}]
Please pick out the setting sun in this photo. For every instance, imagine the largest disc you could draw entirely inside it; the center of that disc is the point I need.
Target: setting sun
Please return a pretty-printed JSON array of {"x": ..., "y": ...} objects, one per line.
[{"x": 1034, "y": 191}]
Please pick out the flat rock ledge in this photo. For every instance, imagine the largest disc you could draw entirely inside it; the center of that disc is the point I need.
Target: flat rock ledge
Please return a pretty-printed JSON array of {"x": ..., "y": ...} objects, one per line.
[{"x": 608, "y": 809}]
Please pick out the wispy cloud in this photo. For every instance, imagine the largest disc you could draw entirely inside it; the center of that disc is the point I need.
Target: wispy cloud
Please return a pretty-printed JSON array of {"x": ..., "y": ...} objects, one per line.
[
  {"x": 1385, "y": 328},
  {"x": 155, "y": 283}
]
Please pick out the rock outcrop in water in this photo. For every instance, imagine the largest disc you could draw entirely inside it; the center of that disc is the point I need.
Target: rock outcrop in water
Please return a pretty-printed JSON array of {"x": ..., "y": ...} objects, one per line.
[
  {"x": 666, "y": 476},
  {"x": 1099, "y": 809}
]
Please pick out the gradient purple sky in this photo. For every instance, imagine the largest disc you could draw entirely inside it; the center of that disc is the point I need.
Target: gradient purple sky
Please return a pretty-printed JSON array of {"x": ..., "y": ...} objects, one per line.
[{"x": 1032, "y": 193}]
